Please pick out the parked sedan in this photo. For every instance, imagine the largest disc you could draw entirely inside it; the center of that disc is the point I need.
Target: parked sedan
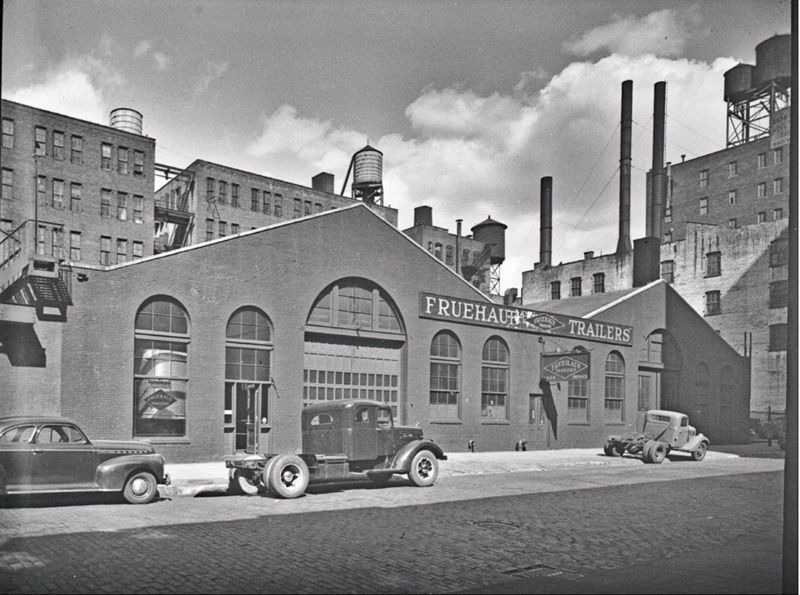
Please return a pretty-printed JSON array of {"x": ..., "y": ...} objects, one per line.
[{"x": 52, "y": 454}]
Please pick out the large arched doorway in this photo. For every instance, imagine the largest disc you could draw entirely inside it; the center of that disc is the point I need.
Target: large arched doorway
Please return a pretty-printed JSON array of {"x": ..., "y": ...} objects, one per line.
[
  {"x": 353, "y": 344},
  {"x": 660, "y": 364}
]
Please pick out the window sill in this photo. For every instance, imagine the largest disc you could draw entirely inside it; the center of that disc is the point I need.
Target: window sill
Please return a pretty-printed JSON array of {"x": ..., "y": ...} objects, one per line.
[
  {"x": 495, "y": 422},
  {"x": 444, "y": 421},
  {"x": 615, "y": 423},
  {"x": 578, "y": 423}
]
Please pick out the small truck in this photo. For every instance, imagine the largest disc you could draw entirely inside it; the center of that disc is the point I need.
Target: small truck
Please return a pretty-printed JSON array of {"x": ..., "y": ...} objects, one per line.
[
  {"x": 342, "y": 440},
  {"x": 663, "y": 432}
]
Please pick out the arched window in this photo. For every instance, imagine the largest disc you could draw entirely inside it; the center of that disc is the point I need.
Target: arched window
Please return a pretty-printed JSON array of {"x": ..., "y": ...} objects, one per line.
[
  {"x": 494, "y": 379},
  {"x": 578, "y": 391},
  {"x": 248, "y": 359},
  {"x": 615, "y": 388},
  {"x": 160, "y": 368},
  {"x": 355, "y": 304},
  {"x": 445, "y": 376}
]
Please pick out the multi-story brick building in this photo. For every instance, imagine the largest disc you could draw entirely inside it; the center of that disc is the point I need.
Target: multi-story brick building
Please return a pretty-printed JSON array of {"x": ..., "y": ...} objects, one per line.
[{"x": 78, "y": 191}]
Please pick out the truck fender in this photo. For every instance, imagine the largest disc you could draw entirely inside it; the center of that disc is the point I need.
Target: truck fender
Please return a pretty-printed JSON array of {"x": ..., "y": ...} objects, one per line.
[
  {"x": 111, "y": 475},
  {"x": 692, "y": 443},
  {"x": 402, "y": 460}
]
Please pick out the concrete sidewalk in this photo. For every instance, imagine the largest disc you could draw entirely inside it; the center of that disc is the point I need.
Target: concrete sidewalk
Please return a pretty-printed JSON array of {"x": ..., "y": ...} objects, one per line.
[{"x": 190, "y": 479}]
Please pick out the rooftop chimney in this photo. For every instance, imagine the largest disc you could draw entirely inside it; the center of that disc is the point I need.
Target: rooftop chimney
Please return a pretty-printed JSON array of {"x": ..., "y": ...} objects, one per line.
[
  {"x": 423, "y": 216},
  {"x": 323, "y": 182},
  {"x": 624, "y": 241},
  {"x": 658, "y": 177},
  {"x": 546, "y": 221}
]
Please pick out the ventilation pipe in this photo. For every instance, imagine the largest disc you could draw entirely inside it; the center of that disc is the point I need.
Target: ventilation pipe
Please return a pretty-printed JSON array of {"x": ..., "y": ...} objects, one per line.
[
  {"x": 546, "y": 222},
  {"x": 658, "y": 177},
  {"x": 624, "y": 241}
]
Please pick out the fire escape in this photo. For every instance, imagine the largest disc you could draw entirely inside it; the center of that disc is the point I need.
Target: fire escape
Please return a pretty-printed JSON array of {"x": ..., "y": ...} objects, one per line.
[
  {"x": 474, "y": 272},
  {"x": 173, "y": 219}
]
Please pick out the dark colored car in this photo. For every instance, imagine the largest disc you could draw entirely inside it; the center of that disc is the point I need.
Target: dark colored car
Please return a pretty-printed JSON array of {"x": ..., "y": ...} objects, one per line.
[
  {"x": 41, "y": 454},
  {"x": 342, "y": 440}
]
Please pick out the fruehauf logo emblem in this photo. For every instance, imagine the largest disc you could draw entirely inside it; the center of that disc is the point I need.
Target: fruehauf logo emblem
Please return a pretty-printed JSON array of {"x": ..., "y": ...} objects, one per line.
[
  {"x": 566, "y": 367},
  {"x": 545, "y": 322},
  {"x": 159, "y": 400}
]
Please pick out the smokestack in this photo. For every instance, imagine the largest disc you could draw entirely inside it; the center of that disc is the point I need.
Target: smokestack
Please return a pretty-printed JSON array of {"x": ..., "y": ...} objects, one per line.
[
  {"x": 624, "y": 241},
  {"x": 658, "y": 177},
  {"x": 546, "y": 223}
]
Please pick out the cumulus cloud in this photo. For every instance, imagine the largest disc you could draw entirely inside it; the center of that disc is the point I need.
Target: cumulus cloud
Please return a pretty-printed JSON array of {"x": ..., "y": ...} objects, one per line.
[
  {"x": 145, "y": 47},
  {"x": 212, "y": 71},
  {"x": 663, "y": 33},
  {"x": 142, "y": 48}
]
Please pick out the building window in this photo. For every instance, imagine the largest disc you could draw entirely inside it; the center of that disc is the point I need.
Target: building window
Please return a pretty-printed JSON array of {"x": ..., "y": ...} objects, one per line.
[
  {"x": 777, "y": 337},
  {"x": 138, "y": 250},
  {"x": 41, "y": 190},
  {"x": 105, "y": 156},
  {"x": 297, "y": 208},
  {"x": 494, "y": 379},
  {"x": 8, "y": 184},
  {"x": 234, "y": 195},
  {"x": 122, "y": 206},
  {"x": 779, "y": 294},
  {"x": 58, "y": 145},
  {"x": 138, "y": 163},
  {"x": 76, "y": 153},
  {"x": 777, "y": 156},
  {"x": 75, "y": 197},
  {"x": 41, "y": 240},
  {"x": 58, "y": 243},
  {"x": 307, "y": 207},
  {"x": 668, "y": 236},
  {"x": 445, "y": 376},
  {"x": 465, "y": 256},
  {"x": 138, "y": 208},
  {"x": 733, "y": 169},
  {"x": 555, "y": 290},
  {"x": 105, "y": 250},
  {"x": 161, "y": 376},
  {"x": 277, "y": 208},
  {"x": 105, "y": 202},
  {"x": 8, "y": 133},
  {"x": 761, "y": 190},
  {"x": 254, "y": 203},
  {"x": 733, "y": 223},
  {"x": 122, "y": 160},
  {"x": 578, "y": 400},
  {"x": 223, "y": 192},
  {"x": 248, "y": 358},
  {"x": 40, "y": 141},
  {"x": 762, "y": 160},
  {"x": 58, "y": 194},
  {"x": 667, "y": 214},
  {"x": 778, "y": 252},
  {"x": 575, "y": 286},
  {"x": 761, "y": 217},
  {"x": 731, "y": 197},
  {"x": 265, "y": 203},
  {"x": 353, "y": 303},
  {"x": 599, "y": 283},
  {"x": 234, "y": 229},
  {"x": 668, "y": 271},
  {"x": 777, "y": 186},
  {"x": 713, "y": 305},
  {"x": 777, "y": 214},
  {"x": 449, "y": 257},
  {"x": 223, "y": 229},
  {"x": 713, "y": 264},
  {"x": 704, "y": 205},
  {"x": 74, "y": 246},
  {"x": 210, "y": 182},
  {"x": 318, "y": 207},
  {"x": 437, "y": 250},
  {"x": 703, "y": 178},
  {"x": 615, "y": 388},
  {"x": 209, "y": 229},
  {"x": 122, "y": 250}
]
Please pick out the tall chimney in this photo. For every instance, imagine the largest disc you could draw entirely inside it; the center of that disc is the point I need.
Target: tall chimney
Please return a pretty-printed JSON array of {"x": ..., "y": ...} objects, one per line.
[
  {"x": 546, "y": 223},
  {"x": 624, "y": 241},
  {"x": 658, "y": 177}
]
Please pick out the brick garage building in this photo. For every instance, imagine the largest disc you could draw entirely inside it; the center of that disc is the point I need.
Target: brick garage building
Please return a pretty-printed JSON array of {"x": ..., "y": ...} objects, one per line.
[{"x": 170, "y": 348}]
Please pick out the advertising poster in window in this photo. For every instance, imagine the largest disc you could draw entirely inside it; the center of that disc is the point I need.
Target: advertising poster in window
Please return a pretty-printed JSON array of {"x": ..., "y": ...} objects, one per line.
[
  {"x": 565, "y": 366},
  {"x": 160, "y": 398}
]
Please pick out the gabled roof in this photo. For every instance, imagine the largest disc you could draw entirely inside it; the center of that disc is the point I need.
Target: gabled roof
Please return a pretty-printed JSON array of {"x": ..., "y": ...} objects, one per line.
[{"x": 587, "y": 306}]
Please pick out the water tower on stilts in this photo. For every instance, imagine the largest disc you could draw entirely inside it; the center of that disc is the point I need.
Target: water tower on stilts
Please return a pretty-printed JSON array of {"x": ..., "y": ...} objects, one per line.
[{"x": 367, "y": 168}]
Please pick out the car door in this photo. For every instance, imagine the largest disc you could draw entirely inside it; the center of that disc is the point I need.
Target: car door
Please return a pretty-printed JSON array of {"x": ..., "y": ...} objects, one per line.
[
  {"x": 62, "y": 458},
  {"x": 16, "y": 457},
  {"x": 365, "y": 440}
]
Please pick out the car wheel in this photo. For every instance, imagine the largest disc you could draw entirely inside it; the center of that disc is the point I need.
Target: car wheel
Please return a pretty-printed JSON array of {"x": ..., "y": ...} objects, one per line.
[
  {"x": 424, "y": 469},
  {"x": 287, "y": 476},
  {"x": 140, "y": 488},
  {"x": 699, "y": 453},
  {"x": 613, "y": 450},
  {"x": 380, "y": 479},
  {"x": 246, "y": 482},
  {"x": 658, "y": 452}
]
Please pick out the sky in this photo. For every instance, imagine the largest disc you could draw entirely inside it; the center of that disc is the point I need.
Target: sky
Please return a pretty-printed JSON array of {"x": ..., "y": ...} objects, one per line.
[{"x": 471, "y": 102}]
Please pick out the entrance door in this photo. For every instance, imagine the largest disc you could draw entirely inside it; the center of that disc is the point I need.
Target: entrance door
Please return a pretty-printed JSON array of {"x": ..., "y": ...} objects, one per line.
[
  {"x": 538, "y": 424},
  {"x": 246, "y": 413},
  {"x": 649, "y": 382}
]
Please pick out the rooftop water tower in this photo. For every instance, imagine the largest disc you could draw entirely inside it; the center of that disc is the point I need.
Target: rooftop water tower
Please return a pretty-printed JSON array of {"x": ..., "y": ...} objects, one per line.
[
  {"x": 125, "y": 118},
  {"x": 367, "y": 168},
  {"x": 492, "y": 234}
]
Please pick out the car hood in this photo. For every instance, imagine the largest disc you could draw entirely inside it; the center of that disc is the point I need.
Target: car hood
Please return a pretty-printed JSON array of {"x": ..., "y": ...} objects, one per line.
[
  {"x": 411, "y": 432},
  {"x": 123, "y": 446}
]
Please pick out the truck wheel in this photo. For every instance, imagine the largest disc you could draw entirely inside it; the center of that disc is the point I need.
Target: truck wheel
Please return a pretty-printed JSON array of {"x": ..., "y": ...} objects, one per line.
[
  {"x": 646, "y": 451},
  {"x": 424, "y": 469},
  {"x": 699, "y": 453},
  {"x": 613, "y": 450},
  {"x": 246, "y": 482},
  {"x": 141, "y": 488},
  {"x": 658, "y": 452},
  {"x": 287, "y": 476}
]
